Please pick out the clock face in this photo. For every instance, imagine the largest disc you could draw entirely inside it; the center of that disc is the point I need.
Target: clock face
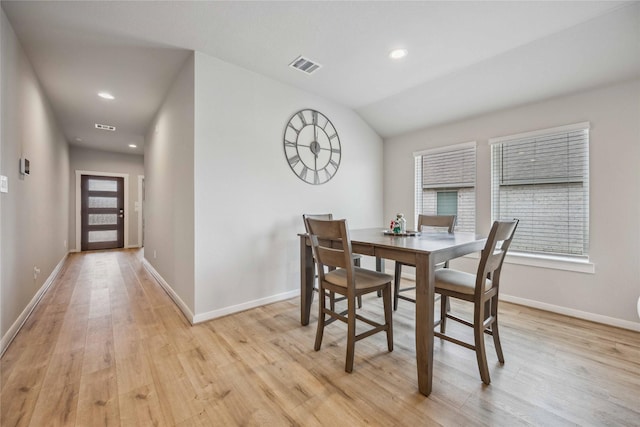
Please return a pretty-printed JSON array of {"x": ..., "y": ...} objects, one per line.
[{"x": 312, "y": 147}]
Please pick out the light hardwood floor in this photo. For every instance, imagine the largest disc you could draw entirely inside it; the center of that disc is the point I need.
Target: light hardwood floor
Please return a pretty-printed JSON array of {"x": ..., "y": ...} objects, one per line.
[{"x": 106, "y": 346}]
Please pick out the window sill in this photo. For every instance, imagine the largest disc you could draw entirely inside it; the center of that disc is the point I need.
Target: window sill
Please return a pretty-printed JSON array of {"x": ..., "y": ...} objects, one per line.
[{"x": 548, "y": 261}]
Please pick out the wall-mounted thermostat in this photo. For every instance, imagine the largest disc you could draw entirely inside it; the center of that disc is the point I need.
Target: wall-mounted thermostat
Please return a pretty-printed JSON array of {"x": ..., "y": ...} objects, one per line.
[{"x": 24, "y": 166}]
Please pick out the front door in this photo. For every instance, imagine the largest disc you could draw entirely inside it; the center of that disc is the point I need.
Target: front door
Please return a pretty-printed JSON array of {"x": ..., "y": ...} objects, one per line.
[{"x": 102, "y": 212}]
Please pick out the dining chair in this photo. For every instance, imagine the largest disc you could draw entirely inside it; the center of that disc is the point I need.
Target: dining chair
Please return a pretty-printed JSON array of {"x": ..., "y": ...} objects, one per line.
[
  {"x": 437, "y": 222},
  {"x": 482, "y": 290},
  {"x": 348, "y": 280},
  {"x": 356, "y": 257}
]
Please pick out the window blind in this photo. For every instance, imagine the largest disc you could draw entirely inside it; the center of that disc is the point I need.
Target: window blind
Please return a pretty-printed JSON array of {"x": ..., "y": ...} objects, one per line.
[
  {"x": 542, "y": 178},
  {"x": 443, "y": 173}
]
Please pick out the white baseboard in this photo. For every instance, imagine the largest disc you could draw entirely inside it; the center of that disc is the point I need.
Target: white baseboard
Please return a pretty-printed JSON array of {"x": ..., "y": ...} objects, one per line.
[
  {"x": 17, "y": 325},
  {"x": 404, "y": 275},
  {"x": 245, "y": 306},
  {"x": 203, "y": 317},
  {"x": 169, "y": 290},
  {"x": 598, "y": 318},
  {"x": 126, "y": 247}
]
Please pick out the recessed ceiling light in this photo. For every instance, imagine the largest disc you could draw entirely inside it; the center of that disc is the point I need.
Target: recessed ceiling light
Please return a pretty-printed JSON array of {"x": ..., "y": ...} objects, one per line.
[
  {"x": 106, "y": 95},
  {"x": 398, "y": 53},
  {"x": 132, "y": 145},
  {"x": 78, "y": 139}
]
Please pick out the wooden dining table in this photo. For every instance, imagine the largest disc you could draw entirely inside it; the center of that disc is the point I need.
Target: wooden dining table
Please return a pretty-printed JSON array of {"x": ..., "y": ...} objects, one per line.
[{"x": 424, "y": 251}]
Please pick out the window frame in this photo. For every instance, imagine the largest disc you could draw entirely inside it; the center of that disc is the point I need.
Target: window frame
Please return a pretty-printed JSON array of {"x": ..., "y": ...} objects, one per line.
[
  {"x": 561, "y": 261},
  {"x": 418, "y": 196}
]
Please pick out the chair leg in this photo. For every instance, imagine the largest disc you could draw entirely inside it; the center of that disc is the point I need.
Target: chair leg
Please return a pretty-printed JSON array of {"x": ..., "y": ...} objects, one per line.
[
  {"x": 356, "y": 262},
  {"x": 396, "y": 284},
  {"x": 444, "y": 305},
  {"x": 496, "y": 342},
  {"x": 494, "y": 329},
  {"x": 351, "y": 333},
  {"x": 478, "y": 333},
  {"x": 320, "y": 329},
  {"x": 386, "y": 298}
]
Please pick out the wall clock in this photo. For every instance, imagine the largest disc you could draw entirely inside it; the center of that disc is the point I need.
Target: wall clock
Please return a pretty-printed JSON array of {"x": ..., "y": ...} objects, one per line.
[{"x": 312, "y": 147}]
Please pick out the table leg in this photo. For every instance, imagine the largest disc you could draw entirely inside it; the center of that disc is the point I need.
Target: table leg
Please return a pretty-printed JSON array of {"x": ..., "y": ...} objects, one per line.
[
  {"x": 306, "y": 280},
  {"x": 424, "y": 321},
  {"x": 380, "y": 268}
]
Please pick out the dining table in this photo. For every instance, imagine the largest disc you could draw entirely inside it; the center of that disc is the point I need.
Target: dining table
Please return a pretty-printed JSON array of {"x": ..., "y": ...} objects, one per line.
[{"x": 424, "y": 250}]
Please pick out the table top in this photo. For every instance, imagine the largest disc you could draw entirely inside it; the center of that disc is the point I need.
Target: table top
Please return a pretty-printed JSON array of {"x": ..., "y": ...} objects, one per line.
[
  {"x": 424, "y": 242},
  {"x": 443, "y": 245}
]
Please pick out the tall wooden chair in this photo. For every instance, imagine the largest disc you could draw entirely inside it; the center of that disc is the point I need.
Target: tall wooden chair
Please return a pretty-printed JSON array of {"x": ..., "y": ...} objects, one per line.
[
  {"x": 331, "y": 247},
  {"x": 356, "y": 257},
  {"x": 444, "y": 222},
  {"x": 482, "y": 290}
]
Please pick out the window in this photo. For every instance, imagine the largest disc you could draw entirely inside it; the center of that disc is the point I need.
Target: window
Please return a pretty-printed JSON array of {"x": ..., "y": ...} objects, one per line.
[
  {"x": 447, "y": 203},
  {"x": 445, "y": 181},
  {"x": 542, "y": 178}
]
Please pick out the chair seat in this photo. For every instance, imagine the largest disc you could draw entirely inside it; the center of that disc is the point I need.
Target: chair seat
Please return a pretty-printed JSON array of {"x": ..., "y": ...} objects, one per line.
[
  {"x": 365, "y": 279},
  {"x": 457, "y": 281}
]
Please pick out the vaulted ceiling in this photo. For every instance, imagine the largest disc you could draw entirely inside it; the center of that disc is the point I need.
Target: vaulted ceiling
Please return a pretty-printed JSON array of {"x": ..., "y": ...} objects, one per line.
[{"x": 464, "y": 58}]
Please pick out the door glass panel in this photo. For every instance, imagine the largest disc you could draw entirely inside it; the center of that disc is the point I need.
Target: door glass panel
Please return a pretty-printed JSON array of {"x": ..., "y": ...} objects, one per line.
[
  {"x": 103, "y": 202},
  {"x": 102, "y": 185},
  {"x": 103, "y": 236},
  {"x": 103, "y": 219}
]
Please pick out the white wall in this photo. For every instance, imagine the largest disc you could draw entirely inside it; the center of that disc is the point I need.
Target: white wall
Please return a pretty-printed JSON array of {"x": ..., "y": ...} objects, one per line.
[
  {"x": 85, "y": 159},
  {"x": 34, "y": 213},
  {"x": 248, "y": 202},
  {"x": 169, "y": 203},
  {"x": 222, "y": 207},
  {"x": 611, "y": 293}
]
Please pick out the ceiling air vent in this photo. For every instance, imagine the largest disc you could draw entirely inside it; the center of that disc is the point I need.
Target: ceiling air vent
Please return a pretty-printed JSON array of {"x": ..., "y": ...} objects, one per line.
[
  {"x": 105, "y": 127},
  {"x": 305, "y": 65}
]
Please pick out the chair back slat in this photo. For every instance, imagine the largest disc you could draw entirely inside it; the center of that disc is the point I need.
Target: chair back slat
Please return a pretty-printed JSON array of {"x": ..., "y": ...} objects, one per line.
[
  {"x": 437, "y": 221},
  {"x": 331, "y": 246},
  {"x": 331, "y": 257},
  {"x": 326, "y": 216},
  {"x": 494, "y": 252},
  {"x": 305, "y": 217}
]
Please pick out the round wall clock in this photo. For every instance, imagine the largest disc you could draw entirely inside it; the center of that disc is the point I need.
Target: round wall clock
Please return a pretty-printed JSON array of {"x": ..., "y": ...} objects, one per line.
[{"x": 312, "y": 147}]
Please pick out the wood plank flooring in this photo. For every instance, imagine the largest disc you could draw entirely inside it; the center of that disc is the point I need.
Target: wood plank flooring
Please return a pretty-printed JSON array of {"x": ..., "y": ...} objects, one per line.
[{"x": 107, "y": 347}]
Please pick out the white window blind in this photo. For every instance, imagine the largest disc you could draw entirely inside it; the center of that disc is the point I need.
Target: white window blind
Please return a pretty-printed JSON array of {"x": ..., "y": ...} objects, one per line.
[
  {"x": 443, "y": 173},
  {"x": 542, "y": 178}
]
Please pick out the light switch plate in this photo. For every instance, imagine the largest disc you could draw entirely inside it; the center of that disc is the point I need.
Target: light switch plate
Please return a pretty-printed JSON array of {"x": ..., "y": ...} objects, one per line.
[{"x": 4, "y": 184}]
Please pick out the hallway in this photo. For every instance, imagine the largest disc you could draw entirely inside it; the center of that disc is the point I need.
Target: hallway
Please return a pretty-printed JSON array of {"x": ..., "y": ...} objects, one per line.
[{"x": 107, "y": 346}]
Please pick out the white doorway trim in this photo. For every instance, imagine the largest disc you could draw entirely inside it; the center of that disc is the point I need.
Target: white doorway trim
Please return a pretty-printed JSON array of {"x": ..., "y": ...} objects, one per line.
[
  {"x": 79, "y": 174},
  {"x": 140, "y": 209}
]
